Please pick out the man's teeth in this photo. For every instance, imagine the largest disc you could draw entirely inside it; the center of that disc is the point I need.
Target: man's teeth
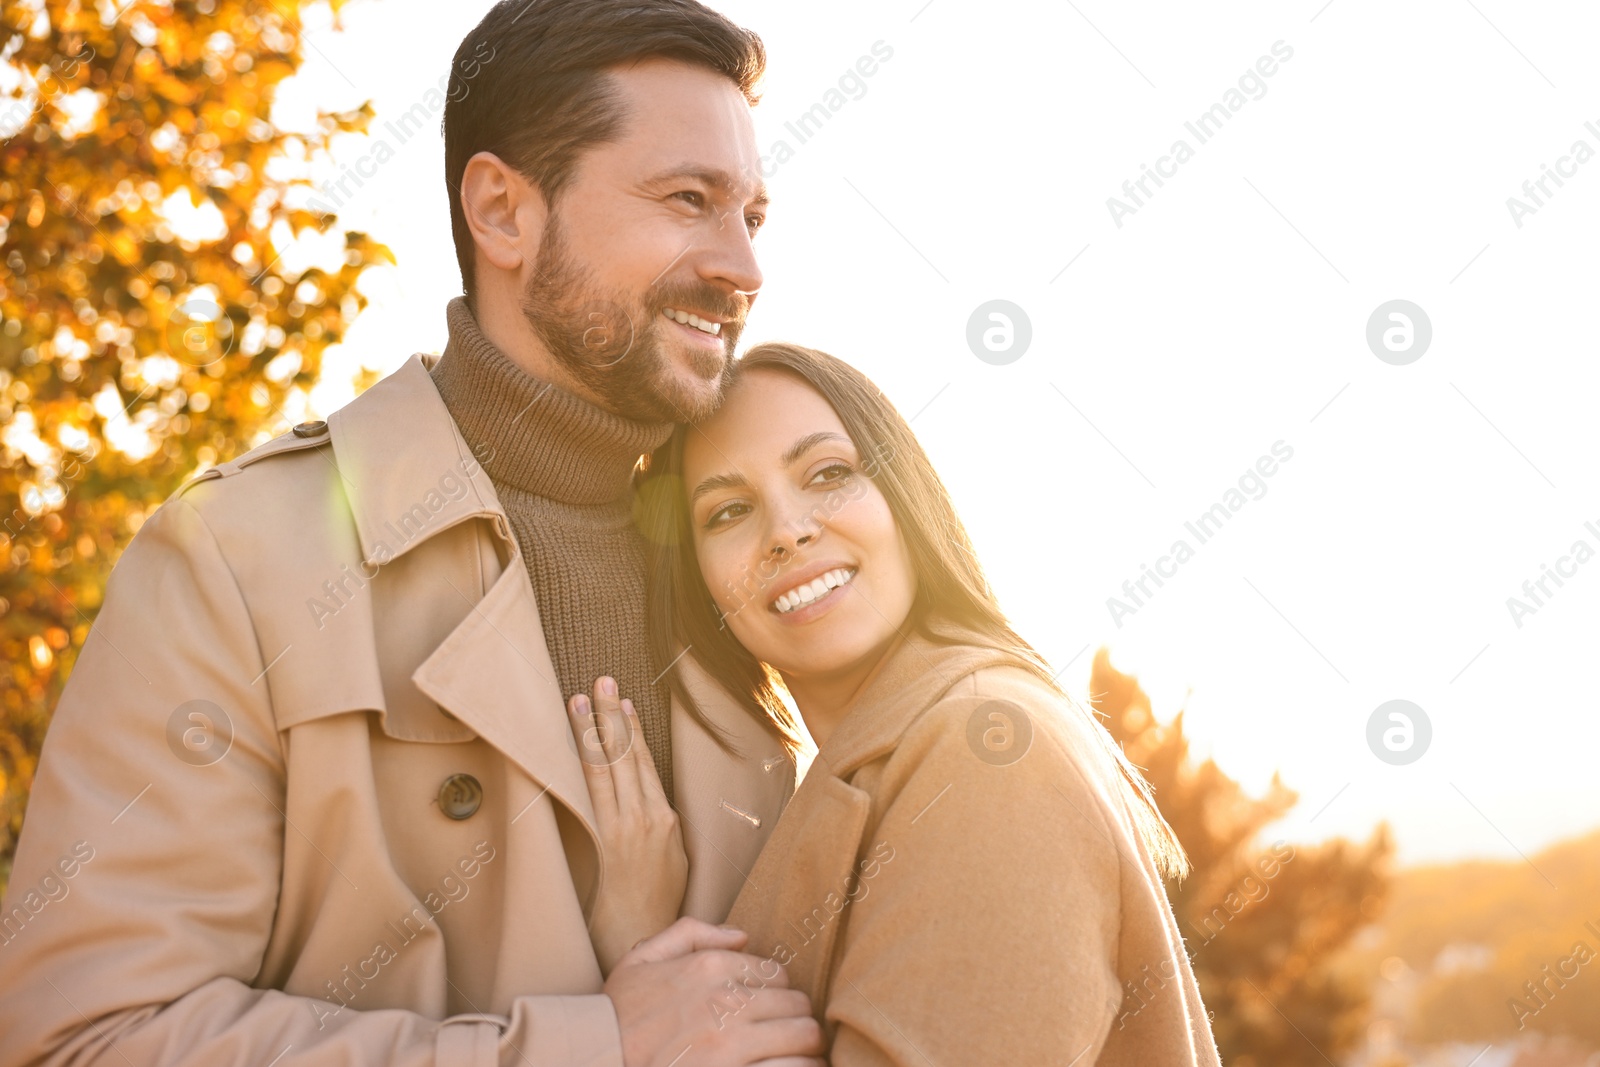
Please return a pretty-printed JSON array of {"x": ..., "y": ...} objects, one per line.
[
  {"x": 815, "y": 589},
  {"x": 713, "y": 328}
]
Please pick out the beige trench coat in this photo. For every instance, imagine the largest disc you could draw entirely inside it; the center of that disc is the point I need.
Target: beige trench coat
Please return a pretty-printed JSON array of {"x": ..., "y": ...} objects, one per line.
[
  {"x": 310, "y": 790},
  {"x": 958, "y": 881}
]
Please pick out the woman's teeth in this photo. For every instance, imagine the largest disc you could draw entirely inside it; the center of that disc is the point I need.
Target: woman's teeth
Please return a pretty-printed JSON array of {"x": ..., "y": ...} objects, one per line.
[
  {"x": 713, "y": 328},
  {"x": 813, "y": 590}
]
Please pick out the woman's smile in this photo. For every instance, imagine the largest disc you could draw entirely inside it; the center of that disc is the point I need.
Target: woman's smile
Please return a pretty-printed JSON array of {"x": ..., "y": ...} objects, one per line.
[{"x": 812, "y": 593}]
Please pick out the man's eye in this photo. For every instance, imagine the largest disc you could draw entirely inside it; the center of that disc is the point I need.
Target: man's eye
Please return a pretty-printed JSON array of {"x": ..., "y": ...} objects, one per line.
[
  {"x": 689, "y": 196},
  {"x": 755, "y": 222}
]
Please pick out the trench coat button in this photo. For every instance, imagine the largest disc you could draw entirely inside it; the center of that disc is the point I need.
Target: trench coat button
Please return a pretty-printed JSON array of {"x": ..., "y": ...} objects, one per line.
[
  {"x": 311, "y": 429},
  {"x": 460, "y": 796}
]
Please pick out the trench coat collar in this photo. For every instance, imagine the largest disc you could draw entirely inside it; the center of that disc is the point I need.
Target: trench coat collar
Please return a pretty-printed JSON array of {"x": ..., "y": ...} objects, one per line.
[
  {"x": 403, "y": 463},
  {"x": 919, "y": 667}
]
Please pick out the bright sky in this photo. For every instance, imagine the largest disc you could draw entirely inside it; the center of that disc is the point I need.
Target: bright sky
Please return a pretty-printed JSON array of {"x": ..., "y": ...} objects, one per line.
[{"x": 1227, "y": 313}]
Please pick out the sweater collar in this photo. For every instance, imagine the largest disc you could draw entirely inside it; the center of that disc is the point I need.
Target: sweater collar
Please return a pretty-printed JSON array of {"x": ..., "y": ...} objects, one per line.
[{"x": 530, "y": 433}]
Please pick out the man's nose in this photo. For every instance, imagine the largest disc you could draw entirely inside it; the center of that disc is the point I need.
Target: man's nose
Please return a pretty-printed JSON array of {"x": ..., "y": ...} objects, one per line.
[{"x": 730, "y": 261}]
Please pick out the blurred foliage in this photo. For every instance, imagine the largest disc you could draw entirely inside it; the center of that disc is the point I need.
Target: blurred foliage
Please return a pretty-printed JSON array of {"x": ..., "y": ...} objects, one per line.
[
  {"x": 1474, "y": 936},
  {"x": 1265, "y": 926},
  {"x": 132, "y": 357}
]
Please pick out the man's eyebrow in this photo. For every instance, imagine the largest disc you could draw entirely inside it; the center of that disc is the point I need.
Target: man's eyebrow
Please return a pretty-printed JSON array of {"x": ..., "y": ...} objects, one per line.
[{"x": 714, "y": 177}]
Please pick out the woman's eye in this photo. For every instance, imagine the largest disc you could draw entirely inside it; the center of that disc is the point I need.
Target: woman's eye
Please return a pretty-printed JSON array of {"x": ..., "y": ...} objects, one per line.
[
  {"x": 725, "y": 513},
  {"x": 836, "y": 472}
]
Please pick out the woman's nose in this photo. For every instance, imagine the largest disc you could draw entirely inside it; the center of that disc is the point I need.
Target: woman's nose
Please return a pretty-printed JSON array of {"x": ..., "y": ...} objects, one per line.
[{"x": 791, "y": 532}]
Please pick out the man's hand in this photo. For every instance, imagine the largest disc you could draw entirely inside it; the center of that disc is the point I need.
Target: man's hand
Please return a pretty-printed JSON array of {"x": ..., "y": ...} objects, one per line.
[{"x": 675, "y": 1005}]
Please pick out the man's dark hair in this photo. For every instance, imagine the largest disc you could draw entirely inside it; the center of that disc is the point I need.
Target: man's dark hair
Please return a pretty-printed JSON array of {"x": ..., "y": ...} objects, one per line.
[{"x": 542, "y": 97}]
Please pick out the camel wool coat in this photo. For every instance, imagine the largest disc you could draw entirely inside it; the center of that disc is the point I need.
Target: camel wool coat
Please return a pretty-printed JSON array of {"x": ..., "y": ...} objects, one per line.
[
  {"x": 958, "y": 881},
  {"x": 310, "y": 795}
]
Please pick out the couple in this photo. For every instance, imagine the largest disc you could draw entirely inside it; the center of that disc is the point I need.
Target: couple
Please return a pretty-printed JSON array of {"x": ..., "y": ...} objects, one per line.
[{"x": 444, "y": 733}]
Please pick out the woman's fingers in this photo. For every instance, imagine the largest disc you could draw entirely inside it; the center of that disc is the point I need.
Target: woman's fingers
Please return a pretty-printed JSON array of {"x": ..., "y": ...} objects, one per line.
[
  {"x": 618, "y": 738},
  {"x": 644, "y": 764},
  {"x": 617, "y": 763},
  {"x": 591, "y": 753}
]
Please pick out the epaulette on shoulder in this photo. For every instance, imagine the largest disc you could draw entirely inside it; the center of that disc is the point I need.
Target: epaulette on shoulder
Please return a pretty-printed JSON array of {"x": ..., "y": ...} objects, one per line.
[{"x": 305, "y": 435}]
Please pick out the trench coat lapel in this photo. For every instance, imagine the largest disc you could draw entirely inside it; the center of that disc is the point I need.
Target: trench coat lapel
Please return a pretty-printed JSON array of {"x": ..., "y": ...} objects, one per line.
[
  {"x": 493, "y": 673},
  {"x": 404, "y": 465},
  {"x": 729, "y": 804}
]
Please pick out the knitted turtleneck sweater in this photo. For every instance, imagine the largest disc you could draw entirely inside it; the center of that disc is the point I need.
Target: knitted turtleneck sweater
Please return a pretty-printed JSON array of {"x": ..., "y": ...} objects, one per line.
[{"x": 562, "y": 468}]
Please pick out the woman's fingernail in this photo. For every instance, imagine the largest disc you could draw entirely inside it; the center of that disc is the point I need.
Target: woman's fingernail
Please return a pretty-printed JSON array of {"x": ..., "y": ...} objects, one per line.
[
  {"x": 608, "y": 686},
  {"x": 580, "y": 705}
]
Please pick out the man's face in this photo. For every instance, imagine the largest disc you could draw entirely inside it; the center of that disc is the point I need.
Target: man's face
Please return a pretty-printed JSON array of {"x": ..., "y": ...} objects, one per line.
[{"x": 652, "y": 228}]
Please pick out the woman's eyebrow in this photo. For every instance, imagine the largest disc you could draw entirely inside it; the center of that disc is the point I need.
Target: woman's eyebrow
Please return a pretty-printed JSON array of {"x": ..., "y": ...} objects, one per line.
[
  {"x": 810, "y": 440},
  {"x": 796, "y": 450},
  {"x": 715, "y": 482}
]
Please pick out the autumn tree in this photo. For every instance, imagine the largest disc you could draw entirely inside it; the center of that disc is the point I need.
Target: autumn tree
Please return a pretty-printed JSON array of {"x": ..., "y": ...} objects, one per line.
[
  {"x": 133, "y": 354},
  {"x": 1264, "y": 921}
]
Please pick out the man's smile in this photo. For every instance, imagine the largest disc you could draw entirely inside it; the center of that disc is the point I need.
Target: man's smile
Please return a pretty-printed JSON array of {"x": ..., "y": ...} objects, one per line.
[{"x": 703, "y": 323}]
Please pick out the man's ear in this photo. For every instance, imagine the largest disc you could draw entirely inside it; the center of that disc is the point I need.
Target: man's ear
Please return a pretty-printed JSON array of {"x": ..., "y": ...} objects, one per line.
[{"x": 505, "y": 212}]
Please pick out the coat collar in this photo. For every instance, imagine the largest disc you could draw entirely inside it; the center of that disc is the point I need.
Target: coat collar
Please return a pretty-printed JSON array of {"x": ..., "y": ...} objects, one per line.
[
  {"x": 918, "y": 669},
  {"x": 407, "y": 471}
]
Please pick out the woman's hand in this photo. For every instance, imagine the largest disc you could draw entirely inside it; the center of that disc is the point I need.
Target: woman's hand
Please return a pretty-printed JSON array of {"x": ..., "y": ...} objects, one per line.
[{"x": 645, "y": 869}]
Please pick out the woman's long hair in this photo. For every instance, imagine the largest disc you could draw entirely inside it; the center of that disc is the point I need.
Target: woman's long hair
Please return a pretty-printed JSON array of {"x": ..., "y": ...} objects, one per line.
[{"x": 951, "y": 587}]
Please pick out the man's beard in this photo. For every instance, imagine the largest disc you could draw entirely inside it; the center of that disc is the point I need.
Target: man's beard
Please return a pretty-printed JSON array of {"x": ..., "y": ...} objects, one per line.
[{"x": 613, "y": 344}]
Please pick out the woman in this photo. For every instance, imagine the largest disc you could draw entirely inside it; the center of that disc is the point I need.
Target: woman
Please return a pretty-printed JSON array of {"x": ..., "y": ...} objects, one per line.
[{"x": 970, "y": 872}]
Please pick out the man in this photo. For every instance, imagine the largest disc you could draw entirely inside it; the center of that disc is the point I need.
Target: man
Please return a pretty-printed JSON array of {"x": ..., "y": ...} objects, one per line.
[{"x": 310, "y": 796}]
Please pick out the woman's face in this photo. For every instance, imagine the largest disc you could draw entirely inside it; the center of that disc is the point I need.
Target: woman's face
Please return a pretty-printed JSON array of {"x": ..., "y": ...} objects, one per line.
[{"x": 794, "y": 540}]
